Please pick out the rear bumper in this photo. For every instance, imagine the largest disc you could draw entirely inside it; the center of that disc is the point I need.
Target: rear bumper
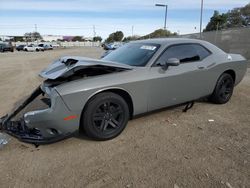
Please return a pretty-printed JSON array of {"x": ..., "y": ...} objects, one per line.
[{"x": 42, "y": 126}]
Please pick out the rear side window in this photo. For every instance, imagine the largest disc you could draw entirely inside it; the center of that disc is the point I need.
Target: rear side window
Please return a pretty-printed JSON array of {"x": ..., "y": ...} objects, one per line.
[
  {"x": 185, "y": 53},
  {"x": 202, "y": 52}
]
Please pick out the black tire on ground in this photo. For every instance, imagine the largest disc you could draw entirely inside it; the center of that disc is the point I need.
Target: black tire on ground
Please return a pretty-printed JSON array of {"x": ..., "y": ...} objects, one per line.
[
  {"x": 105, "y": 116},
  {"x": 37, "y": 50},
  {"x": 25, "y": 50},
  {"x": 223, "y": 89}
]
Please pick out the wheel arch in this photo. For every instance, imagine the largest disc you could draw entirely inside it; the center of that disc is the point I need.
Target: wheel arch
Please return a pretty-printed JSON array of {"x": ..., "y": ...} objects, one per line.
[
  {"x": 231, "y": 72},
  {"x": 119, "y": 91}
]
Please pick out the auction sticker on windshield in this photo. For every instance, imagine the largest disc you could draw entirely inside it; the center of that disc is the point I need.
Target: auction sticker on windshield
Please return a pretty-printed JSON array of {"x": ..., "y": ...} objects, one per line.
[{"x": 145, "y": 47}]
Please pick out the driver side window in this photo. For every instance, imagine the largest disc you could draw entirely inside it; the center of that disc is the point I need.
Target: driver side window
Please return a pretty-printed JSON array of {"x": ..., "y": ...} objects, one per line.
[{"x": 184, "y": 52}]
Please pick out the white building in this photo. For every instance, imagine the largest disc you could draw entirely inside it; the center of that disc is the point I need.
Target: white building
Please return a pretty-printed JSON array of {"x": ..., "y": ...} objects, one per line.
[{"x": 50, "y": 38}]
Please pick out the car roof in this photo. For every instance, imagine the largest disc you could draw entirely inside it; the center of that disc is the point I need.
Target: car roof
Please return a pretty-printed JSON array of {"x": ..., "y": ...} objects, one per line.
[{"x": 164, "y": 41}]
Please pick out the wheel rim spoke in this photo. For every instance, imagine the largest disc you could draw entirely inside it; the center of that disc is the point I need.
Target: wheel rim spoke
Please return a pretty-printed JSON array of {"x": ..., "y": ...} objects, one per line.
[
  {"x": 98, "y": 116},
  {"x": 102, "y": 124},
  {"x": 108, "y": 117},
  {"x": 107, "y": 106},
  {"x": 226, "y": 88},
  {"x": 117, "y": 112},
  {"x": 113, "y": 123},
  {"x": 105, "y": 126}
]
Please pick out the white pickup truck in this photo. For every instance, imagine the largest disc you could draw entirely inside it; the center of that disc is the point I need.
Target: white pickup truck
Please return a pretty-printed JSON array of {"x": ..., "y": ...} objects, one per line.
[{"x": 32, "y": 48}]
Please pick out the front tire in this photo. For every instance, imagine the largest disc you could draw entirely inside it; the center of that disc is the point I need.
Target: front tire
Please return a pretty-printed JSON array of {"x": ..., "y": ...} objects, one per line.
[
  {"x": 105, "y": 116},
  {"x": 223, "y": 89}
]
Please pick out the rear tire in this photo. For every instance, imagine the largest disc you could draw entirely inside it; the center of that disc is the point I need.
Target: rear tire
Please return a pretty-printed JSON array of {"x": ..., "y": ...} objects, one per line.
[
  {"x": 223, "y": 89},
  {"x": 105, "y": 116}
]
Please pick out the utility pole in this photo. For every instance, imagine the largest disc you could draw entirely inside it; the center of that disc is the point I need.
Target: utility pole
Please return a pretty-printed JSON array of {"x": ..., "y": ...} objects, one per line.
[
  {"x": 94, "y": 33},
  {"x": 132, "y": 30},
  {"x": 201, "y": 16},
  {"x": 36, "y": 32}
]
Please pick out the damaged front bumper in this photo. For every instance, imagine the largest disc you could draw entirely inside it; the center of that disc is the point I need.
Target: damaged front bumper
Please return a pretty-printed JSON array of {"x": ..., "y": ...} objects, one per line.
[{"x": 41, "y": 126}]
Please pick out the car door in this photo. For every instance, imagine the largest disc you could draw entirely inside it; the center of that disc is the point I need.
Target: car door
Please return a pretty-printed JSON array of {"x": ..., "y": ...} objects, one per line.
[
  {"x": 178, "y": 84},
  {"x": 30, "y": 47}
]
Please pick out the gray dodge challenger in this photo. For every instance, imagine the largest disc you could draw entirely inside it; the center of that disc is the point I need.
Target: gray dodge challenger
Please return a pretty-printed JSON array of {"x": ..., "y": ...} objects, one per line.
[{"x": 99, "y": 96}]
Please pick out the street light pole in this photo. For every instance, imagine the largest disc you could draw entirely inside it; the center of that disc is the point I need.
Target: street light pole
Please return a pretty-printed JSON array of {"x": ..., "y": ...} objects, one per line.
[
  {"x": 166, "y": 13},
  {"x": 201, "y": 16}
]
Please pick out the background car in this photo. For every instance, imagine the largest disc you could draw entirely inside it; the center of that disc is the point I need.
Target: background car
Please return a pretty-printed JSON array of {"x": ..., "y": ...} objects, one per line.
[
  {"x": 46, "y": 46},
  {"x": 32, "y": 48},
  {"x": 20, "y": 47},
  {"x": 112, "y": 46},
  {"x": 4, "y": 47}
]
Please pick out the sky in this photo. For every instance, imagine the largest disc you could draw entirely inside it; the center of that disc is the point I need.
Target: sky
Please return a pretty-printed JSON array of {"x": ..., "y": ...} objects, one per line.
[{"x": 80, "y": 17}]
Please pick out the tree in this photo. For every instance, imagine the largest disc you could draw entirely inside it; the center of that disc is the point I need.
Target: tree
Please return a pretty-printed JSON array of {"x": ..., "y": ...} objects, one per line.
[
  {"x": 115, "y": 37},
  {"x": 238, "y": 17},
  {"x": 32, "y": 36},
  {"x": 158, "y": 34},
  {"x": 28, "y": 37},
  {"x": 77, "y": 38},
  {"x": 37, "y": 35},
  {"x": 97, "y": 38},
  {"x": 217, "y": 21},
  {"x": 130, "y": 38},
  {"x": 246, "y": 14},
  {"x": 235, "y": 19},
  {"x": 18, "y": 39}
]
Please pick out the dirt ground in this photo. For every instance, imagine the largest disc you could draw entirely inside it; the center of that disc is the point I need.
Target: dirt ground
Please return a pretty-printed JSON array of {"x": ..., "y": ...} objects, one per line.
[{"x": 164, "y": 149}]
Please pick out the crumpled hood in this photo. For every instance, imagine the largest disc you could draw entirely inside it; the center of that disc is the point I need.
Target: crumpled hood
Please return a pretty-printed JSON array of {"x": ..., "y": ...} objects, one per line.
[{"x": 67, "y": 64}]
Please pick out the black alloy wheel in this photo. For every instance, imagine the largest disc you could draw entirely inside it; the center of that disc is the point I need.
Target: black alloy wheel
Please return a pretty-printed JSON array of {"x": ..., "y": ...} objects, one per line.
[
  {"x": 108, "y": 117},
  {"x": 223, "y": 90},
  {"x": 105, "y": 116}
]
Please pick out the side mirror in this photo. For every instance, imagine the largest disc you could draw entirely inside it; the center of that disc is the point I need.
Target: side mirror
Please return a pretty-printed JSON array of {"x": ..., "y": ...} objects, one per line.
[{"x": 171, "y": 62}]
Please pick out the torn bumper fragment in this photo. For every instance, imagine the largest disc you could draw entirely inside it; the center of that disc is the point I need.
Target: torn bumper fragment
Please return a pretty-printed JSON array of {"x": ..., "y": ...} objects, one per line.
[{"x": 39, "y": 126}]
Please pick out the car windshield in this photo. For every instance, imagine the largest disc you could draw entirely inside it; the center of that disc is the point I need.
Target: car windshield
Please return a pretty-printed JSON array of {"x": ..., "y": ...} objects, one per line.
[{"x": 134, "y": 54}]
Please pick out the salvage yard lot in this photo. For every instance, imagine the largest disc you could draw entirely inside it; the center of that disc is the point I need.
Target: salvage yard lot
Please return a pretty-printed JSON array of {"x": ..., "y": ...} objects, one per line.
[{"x": 161, "y": 149}]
